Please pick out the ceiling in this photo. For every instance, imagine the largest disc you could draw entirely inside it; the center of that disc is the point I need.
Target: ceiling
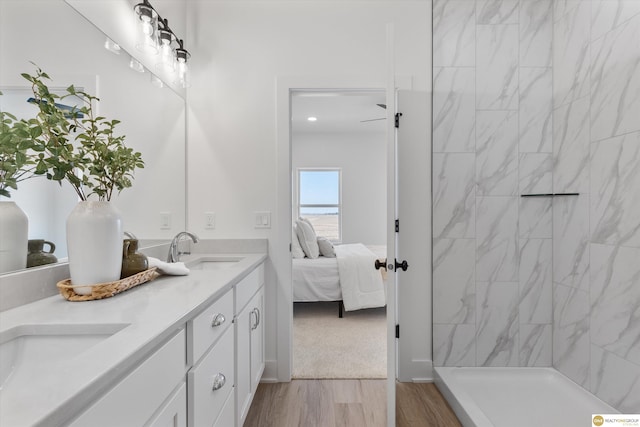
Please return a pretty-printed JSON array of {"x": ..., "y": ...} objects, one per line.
[{"x": 338, "y": 111}]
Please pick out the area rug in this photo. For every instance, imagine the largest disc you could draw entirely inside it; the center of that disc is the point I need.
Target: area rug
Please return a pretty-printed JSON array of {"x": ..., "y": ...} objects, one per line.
[{"x": 327, "y": 347}]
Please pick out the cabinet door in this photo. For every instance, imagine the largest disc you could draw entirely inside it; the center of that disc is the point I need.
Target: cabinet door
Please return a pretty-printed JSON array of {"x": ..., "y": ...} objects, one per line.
[
  {"x": 243, "y": 363},
  {"x": 174, "y": 412},
  {"x": 134, "y": 400},
  {"x": 257, "y": 339}
]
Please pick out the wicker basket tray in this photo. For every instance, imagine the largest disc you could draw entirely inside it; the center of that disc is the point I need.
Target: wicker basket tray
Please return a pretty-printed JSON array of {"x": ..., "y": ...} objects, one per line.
[{"x": 106, "y": 290}]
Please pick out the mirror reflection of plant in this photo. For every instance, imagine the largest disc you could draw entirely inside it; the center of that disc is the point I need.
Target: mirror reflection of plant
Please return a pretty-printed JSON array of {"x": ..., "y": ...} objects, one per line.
[
  {"x": 16, "y": 152},
  {"x": 99, "y": 163}
]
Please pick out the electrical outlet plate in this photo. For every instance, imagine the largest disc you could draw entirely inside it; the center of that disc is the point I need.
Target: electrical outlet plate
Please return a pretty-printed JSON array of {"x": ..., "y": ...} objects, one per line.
[
  {"x": 165, "y": 220},
  {"x": 209, "y": 220},
  {"x": 262, "y": 219}
]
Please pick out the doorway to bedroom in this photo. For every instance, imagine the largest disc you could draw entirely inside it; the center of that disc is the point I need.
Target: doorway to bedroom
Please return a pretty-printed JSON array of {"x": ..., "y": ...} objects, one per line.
[{"x": 338, "y": 201}]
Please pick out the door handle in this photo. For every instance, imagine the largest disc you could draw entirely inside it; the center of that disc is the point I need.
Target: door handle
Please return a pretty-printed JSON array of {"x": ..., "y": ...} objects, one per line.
[
  {"x": 381, "y": 264},
  {"x": 403, "y": 265}
]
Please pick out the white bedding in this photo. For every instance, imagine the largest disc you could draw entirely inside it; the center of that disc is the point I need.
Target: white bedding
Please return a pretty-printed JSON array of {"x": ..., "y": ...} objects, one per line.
[
  {"x": 361, "y": 283},
  {"x": 319, "y": 279},
  {"x": 316, "y": 280}
]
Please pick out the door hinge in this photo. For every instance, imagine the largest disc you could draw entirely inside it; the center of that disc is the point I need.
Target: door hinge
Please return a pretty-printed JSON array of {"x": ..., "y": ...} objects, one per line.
[
  {"x": 397, "y": 331},
  {"x": 398, "y": 115},
  {"x": 397, "y": 225}
]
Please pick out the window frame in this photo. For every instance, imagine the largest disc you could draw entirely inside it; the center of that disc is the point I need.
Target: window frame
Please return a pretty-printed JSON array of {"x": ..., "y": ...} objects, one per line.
[{"x": 339, "y": 205}]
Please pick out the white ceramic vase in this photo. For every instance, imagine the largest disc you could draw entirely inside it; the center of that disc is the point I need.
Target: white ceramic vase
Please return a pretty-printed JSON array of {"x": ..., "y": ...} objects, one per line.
[
  {"x": 94, "y": 243},
  {"x": 14, "y": 235}
]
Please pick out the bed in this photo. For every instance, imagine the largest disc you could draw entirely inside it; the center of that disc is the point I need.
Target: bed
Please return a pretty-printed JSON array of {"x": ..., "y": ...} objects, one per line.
[{"x": 318, "y": 279}]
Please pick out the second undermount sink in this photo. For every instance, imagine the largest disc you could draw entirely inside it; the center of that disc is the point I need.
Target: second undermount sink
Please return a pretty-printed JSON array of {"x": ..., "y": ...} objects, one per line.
[
  {"x": 214, "y": 262},
  {"x": 30, "y": 352}
]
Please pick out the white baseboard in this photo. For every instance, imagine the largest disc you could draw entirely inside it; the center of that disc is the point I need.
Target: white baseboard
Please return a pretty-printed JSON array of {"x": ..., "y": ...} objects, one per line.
[
  {"x": 270, "y": 374},
  {"x": 419, "y": 371}
]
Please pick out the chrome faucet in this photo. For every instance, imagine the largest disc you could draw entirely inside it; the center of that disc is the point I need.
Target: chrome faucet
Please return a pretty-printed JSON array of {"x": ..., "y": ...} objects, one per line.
[
  {"x": 130, "y": 235},
  {"x": 174, "y": 253}
]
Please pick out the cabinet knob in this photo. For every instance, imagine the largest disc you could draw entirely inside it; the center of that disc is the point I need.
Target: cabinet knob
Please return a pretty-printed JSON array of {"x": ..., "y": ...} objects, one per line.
[
  {"x": 218, "y": 320},
  {"x": 218, "y": 381}
]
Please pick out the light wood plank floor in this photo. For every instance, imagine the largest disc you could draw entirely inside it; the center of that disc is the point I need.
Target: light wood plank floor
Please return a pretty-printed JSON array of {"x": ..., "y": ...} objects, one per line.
[{"x": 349, "y": 403}]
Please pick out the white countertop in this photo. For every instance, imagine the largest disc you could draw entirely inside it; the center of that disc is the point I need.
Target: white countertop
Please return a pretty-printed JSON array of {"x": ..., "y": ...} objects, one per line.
[{"x": 153, "y": 311}]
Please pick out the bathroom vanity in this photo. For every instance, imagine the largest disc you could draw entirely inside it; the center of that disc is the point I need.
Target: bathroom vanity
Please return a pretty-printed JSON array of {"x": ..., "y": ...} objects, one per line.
[{"x": 180, "y": 351}]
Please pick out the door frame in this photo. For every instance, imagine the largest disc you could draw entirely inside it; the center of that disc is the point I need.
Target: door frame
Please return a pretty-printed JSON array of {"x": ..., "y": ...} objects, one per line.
[{"x": 280, "y": 253}]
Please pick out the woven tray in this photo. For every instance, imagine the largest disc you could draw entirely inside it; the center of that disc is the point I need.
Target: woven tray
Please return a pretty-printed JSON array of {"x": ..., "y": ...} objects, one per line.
[{"x": 106, "y": 290}]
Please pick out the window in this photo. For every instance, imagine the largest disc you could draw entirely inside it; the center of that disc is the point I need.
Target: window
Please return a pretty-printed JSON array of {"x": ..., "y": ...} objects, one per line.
[{"x": 319, "y": 201}]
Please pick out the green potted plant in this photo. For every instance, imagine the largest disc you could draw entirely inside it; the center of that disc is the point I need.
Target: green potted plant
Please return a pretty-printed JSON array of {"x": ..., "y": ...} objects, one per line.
[
  {"x": 16, "y": 164},
  {"x": 73, "y": 144}
]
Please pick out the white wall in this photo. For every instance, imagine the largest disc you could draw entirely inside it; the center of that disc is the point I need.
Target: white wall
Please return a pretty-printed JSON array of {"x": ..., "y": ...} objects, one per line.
[
  {"x": 362, "y": 157},
  {"x": 239, "y": 51}
]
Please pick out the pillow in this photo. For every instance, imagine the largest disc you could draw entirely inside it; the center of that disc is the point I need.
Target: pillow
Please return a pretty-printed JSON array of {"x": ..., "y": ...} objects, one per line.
[
  {"x": 308, "y": 239},
  {"x": 326, "y": 247},
  {"x": 296, "y": 249},
  {"x": 308, "y": 222}
]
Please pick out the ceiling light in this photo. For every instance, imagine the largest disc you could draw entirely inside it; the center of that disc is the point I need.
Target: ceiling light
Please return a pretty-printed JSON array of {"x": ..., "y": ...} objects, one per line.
[{"x": 312, "y": 119}]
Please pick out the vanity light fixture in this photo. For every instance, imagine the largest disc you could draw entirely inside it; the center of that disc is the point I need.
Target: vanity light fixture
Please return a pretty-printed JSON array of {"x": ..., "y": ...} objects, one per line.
[
  {"x": 147, "y": 38},
  {"x": 183, "y": 69},
  {"x": 312, "y": 119},
  {"x": 167, "y": 54},
  {"x": 155, "y": 35}
]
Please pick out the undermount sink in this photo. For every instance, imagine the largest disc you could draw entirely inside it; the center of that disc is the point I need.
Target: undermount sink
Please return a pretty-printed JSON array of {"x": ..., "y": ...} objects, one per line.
[
  {"x": 30, "y": 352},
  {"x": 214, "y": 262}
]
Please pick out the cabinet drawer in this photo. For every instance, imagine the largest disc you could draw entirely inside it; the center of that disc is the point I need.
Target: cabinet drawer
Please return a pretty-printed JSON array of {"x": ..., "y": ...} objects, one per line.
[
  {"x": 201, "y": 330},
  {"x": 139, "y": 395},
  {"x": 248, "y": 287},
  {"x": 205, "y": 403}
]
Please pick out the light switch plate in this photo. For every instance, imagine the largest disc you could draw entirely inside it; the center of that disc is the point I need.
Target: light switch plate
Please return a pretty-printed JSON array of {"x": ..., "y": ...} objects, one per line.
[{"x": 262, "y": 219}]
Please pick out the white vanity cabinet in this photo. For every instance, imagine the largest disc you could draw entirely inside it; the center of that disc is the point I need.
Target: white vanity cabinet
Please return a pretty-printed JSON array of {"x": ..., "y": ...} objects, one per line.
[
  {"x": 205, "y": 374},
  {"x": 249, "y": 340},
  {"x": 144, "y": 397},
  {"x": 211, "y": 349}
]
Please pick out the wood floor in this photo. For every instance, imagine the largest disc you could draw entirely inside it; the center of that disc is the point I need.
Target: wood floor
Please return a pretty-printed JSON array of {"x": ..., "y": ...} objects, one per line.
[{"x": 348, "y": 403}]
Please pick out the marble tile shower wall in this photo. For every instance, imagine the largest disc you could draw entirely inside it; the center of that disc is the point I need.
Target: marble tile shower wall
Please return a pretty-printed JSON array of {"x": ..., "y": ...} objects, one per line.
[
  {"x": 539, "y": 96},
  {"x": 492, "y": 142},
  {"x": 596, "y": 236}
]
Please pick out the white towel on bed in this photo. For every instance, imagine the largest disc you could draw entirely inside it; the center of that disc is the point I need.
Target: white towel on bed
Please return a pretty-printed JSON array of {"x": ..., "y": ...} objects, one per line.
[{"x": 361, "y": 283}]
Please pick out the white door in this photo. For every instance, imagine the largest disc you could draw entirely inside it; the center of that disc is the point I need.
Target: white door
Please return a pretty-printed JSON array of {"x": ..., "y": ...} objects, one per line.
[{"x": 409, "y": 243}]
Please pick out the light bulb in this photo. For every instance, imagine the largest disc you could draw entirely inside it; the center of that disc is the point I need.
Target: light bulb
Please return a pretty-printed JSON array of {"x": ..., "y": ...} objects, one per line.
[
  {"x": 147, "y": 28},
  {"x": 167, "y": 60}
]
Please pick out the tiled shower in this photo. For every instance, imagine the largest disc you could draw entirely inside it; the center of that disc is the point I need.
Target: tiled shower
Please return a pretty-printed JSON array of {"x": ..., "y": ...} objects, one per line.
[{"x": 538, "y": 96}]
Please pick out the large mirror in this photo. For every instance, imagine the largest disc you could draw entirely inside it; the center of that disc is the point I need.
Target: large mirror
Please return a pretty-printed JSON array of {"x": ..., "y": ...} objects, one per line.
[{"x": 71, "y": 50}]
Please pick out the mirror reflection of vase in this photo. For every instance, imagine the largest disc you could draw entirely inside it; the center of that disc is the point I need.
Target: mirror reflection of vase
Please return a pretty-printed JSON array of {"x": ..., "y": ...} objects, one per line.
[
  {"x": 37, "y": 255},
  {"x": 94, "y": 241},
  {"x": 14, "y": 229}
]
